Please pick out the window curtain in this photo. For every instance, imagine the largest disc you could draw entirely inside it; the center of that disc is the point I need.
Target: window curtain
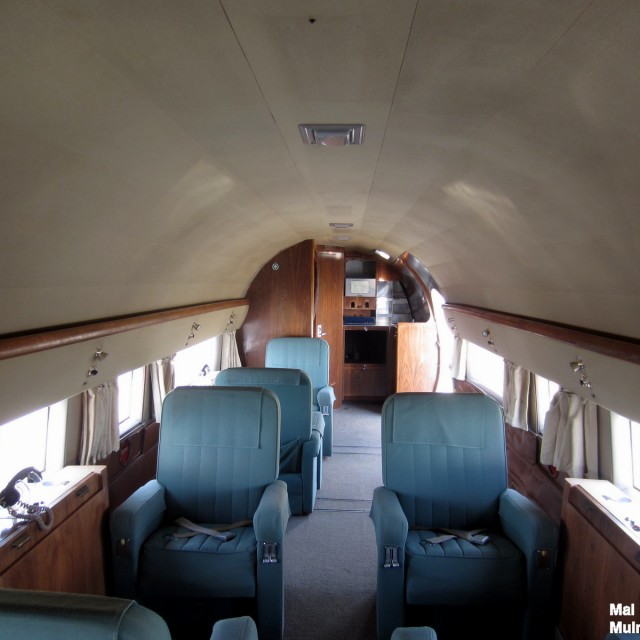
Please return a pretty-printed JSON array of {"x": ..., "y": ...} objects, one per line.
[
  {"x": 229, "y": 357},
  {"x": 100, "y": 428},
  {"x": 459, "y": 359},
  {"x": 570, "y": 437},
  {"x": 162, "y": 374},
  {"x": 516, "y": 395}
]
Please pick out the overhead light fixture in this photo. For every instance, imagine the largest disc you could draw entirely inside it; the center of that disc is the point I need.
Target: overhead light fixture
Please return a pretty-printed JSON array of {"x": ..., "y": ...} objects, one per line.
[
  {"x": 342, "y": 238},
  {"x": 341, "y": 225},
  {"x": 383, "y": 254},
  {"x": 332, "y": 135}
]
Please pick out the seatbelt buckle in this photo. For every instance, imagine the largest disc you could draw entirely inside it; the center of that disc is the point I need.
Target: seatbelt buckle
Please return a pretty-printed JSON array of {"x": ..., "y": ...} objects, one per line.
[
  {"x": 478, "y": 538},
  {"x": 225, "y": 536},
  {"x": 269, "y": 553},
  {"x": 391, "y": 558}
]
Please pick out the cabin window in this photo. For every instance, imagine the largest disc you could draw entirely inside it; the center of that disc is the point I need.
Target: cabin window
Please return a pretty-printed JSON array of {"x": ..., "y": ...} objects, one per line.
[
  {"x": 199, "y": 364},
  {"x": 625, "y": 440},
  {"x": 486, "y": 370},
  {"x": 130, "y": 399},
  {"x": 35, "y": 440}
]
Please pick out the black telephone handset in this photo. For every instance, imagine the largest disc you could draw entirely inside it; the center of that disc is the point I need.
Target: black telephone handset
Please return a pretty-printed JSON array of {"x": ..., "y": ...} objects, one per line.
[
  {"x": 10, "y": 494},
  {"x": 11, "y": 500}
]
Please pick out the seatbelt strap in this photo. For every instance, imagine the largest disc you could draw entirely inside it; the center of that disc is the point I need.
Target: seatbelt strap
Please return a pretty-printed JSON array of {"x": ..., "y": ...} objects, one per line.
[
  {"x": 475, "y": 536},
  {"x": 219, "y": 531}
]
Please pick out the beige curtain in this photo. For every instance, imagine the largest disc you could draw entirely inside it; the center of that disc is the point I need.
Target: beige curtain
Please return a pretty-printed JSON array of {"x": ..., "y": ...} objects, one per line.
[
  {"x": 100, "y": 429},
  {"x": 516, "y": 395},
  {"x": 162, "y": 374},
  {"x": 229, "y": 356},
  {"x": 459, "y": 359},
  {"x": 570, "y": 437}
]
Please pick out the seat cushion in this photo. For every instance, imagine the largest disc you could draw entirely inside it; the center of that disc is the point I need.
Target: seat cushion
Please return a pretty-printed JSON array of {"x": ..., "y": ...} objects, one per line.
[
  {"x": 462, "y": 572},
  {"x": 200, "y": 566}
]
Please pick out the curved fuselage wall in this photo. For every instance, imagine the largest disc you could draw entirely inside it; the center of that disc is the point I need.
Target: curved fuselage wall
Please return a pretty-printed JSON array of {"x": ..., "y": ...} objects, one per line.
[
  {"x": 614, "y": 381},
  {"x": 34, "y": 380}
]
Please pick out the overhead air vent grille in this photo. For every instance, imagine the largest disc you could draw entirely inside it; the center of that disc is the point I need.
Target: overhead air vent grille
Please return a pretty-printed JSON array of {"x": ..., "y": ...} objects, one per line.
[{"x": 332, "y": 135}]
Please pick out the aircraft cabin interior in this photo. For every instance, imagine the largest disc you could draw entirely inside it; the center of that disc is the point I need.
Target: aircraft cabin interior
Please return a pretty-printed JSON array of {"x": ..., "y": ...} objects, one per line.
[{"x": 320, "y": 319}]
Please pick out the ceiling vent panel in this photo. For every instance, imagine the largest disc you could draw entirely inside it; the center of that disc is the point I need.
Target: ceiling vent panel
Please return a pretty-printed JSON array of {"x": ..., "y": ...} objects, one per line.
[{"x": 332, "y": 135}]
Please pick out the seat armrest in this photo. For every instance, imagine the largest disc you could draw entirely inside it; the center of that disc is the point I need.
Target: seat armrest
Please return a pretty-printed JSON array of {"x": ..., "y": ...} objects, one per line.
[
  {"x": 389, "y": 520},
  {"x": 326, "y": 398},
  {"x": 527, "y": 525},
  {"x": 311, "y": 448},
  {"x": 272, "y": 515},
  {"x": 131, "y": 523},
  {"x": 317, "y": 422},
  {"x": 535, "y": 534}
]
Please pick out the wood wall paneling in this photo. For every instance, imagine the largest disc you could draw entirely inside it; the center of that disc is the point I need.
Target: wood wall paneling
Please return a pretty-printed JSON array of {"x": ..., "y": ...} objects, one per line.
[
  {"x": 134, "y": 464},
  {"x": 281, "y": 302},
  {"x": 530, "y": 478},
  {"x": 416, "y": 357}
]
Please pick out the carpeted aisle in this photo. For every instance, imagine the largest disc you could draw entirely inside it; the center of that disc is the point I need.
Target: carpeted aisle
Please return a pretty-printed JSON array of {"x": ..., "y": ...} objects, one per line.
[{"x": 330, "y": 576}]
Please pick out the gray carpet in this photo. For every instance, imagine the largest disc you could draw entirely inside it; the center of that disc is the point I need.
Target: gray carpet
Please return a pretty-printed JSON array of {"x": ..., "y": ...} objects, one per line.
[{"x": 330, "y": 577}]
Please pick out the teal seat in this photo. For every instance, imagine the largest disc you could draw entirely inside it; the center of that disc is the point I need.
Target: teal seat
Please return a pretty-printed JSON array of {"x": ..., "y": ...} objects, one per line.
[
  {"x": 242, "y": 628},
  {"x": 218, "y": 460},
  {"x": 443, "y": 468},
  {"x": 312, "y": 356},
  {"x": 300, "y": 452},
  {"x": 42, "y": 615}
]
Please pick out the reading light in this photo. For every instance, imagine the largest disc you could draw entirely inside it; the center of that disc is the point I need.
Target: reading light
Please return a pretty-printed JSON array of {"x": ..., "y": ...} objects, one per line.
[
  {"x": 192, "y": 334},
  {"x": 577, "y": 365},
  {"x": 98, "y": 356},
  {"x": 383, "y": 254}
]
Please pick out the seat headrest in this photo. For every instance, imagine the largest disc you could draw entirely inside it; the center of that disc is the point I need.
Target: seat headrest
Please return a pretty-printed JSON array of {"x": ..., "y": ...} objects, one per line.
[
  {"x": 189, "y": 413},
  {"x": 453, "y": 420},
  {"x": 262, "y": 376},
  {"x": 302, "y": 351}
]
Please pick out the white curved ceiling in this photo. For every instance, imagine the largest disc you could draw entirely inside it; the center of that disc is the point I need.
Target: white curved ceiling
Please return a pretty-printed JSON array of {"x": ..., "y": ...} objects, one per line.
[{"x": 151, "y": 158}]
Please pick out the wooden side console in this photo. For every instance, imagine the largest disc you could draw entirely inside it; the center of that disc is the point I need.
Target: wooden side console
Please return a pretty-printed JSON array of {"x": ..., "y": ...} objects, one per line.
[
  {"x": 601, "y": 560},
  {"x": 70, "y": 556}
]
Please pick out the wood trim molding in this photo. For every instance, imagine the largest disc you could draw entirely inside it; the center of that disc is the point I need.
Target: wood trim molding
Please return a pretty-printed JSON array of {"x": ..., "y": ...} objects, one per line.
[
  {"x": 618, "y": 347},
  {"x": 15, "y": 346}
]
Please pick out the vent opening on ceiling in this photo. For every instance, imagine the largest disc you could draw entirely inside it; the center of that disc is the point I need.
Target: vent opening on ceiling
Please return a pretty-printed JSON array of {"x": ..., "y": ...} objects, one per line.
[{"x": 332, "y": 135}]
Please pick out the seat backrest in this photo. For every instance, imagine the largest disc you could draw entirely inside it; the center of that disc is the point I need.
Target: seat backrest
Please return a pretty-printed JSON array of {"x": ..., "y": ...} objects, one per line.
[
  {"x": 42, "y": 615},
  {"x": 444, "y": 455},
  {"x": 309, "y": 354},
  {"x": 219, "y": 449},
  {"x": 293, "y": 388}
]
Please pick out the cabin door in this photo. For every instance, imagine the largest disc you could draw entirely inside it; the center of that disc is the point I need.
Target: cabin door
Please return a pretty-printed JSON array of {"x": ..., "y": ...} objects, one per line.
[{"x": 328, "y": 313}]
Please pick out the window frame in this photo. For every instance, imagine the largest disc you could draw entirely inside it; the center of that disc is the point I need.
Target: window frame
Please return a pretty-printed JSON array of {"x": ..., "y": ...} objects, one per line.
[
  {"x": 492, "y": 385},
  {"x": 136, "y": 392},
  {"x": 51, "y": 441}
]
